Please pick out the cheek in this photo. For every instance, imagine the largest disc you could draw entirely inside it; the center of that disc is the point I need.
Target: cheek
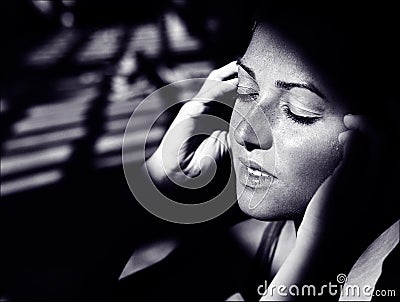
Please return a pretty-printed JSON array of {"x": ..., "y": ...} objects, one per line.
[{"x": 309, "y": 157}]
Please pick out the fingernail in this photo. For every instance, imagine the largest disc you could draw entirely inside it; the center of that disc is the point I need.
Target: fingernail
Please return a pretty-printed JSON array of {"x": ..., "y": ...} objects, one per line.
[
  {"x": 342, "y": 137},
  {"x": 347, "y": 119}
]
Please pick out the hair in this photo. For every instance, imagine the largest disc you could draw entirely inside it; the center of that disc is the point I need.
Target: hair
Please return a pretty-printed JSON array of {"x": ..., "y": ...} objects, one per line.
[{"x": 354, "y": 48}]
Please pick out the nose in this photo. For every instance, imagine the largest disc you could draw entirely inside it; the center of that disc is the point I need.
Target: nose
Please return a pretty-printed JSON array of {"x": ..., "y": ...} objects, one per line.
[{"x": 254, "y": 131}]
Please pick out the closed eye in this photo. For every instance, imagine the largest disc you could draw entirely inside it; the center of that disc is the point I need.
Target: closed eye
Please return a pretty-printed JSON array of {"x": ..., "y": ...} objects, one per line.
[
  {"x": 299, "y": 119},
  {"x": 247, "y": 94},
  {"x": 241, "y": 89}
]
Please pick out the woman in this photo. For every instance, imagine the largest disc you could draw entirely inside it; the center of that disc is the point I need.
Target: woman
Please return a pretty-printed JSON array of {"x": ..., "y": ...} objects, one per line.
[{"x": 313, "y": 140}]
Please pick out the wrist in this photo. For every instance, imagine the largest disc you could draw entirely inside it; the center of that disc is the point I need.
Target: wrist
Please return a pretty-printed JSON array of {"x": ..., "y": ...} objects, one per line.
[{"x": 154, "y": 167}]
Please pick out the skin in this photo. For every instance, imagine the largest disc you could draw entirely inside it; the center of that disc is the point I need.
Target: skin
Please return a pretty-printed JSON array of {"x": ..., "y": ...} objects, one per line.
[
  {"x": 328, "y": 174},
  {"x": 299, "y": 156}
]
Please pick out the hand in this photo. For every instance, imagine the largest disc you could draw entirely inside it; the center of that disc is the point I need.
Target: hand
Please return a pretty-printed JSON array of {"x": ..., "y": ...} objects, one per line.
[
  {"x": 183, "y": 153},
  {"x": 359, "y": 201},
  {"x": 350, "y": 209}
]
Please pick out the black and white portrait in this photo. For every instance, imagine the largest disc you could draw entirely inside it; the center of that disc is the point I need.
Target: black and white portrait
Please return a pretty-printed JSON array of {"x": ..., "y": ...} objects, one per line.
[{"x": 199, "y": 150}]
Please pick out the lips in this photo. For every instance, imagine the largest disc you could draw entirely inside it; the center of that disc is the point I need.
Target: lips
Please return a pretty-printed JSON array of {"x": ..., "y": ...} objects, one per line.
[
  {"x": 256, "y": 172},
  {"x": 253, "y": 175},
  {"x": 255, "y": 169}
]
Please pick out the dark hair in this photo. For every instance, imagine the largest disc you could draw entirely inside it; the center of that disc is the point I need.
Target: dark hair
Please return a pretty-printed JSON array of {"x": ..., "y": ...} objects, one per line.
[{"x": 353, "y": 47}]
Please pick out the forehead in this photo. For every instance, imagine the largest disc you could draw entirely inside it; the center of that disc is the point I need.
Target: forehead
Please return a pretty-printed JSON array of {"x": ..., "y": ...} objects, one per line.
[
  {"x": 273, "y": 56},
  {"x": 269, "y": 48}
]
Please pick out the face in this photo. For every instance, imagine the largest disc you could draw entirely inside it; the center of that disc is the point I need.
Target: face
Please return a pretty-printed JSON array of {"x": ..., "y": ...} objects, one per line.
[{"x": 284, "y": 129}]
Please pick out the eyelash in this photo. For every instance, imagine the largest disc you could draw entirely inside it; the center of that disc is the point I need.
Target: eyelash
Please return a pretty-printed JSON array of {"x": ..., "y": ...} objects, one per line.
[
  {"x": 248, "y": 97},
  {"x": 297, "y": 118},
  {"x": 302, "y": 120}
]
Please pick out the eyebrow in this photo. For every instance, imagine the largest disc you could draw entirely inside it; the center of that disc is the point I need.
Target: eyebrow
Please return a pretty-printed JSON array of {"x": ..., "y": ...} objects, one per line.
[
  {"x": 246, "y": 68},
  {"x": 308, "y": 86},
  {"x": 284, "y": 85}
]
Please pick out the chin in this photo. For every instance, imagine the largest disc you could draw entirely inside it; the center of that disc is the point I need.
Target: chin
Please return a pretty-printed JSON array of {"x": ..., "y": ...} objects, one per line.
[{"x": 270, "y": 209}]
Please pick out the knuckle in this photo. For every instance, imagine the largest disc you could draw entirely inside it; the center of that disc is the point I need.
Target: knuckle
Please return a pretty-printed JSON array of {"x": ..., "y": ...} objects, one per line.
[
  {"x": 192, "y": 107},
  {"x": 214, "y": 73}
]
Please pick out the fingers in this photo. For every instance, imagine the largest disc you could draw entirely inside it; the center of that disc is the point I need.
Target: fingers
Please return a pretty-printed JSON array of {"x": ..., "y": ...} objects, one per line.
[
  {"x": 224, "y": 72},
  {"x": 202, "y": 115},
  {"x": 356, "y": 122},
  {"x": 216, "y": 87},
  {"x": 209, "y": 152},
  {"x": 363, "y": 125},
  {"x": 365, "y": 148},
  {"x": 233, "y": 82},
  {"x": 355, "y": 151},
  {"x": 356, "y": 125},
  {"x": 215, "y": 147},
  {"x": 351, "y": 139},
  {"x": 228, "y": 140},
  {"x": 212, "y": 90},
  {"x": 344, "y": 136},
  {"x": 218, "y": 82}
]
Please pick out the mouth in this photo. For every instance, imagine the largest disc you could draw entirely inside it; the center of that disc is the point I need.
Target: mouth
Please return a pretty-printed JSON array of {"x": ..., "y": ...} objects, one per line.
[{"x": 253, "y": 175}]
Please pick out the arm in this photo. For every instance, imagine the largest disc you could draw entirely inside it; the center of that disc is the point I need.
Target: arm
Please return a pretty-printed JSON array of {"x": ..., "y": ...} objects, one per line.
[{"x": 183, "y": 154}]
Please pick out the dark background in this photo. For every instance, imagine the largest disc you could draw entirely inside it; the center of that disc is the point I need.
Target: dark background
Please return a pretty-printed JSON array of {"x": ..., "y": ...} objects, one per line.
[{"x": 67, "y": 218}]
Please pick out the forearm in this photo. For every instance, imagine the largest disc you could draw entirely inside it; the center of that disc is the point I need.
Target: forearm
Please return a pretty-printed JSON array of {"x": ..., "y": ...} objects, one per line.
[{"x": 171, "y": 184}]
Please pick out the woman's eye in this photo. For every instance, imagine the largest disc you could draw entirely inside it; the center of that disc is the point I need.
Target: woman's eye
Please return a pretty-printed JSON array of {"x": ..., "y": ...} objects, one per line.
[
  {"x": 247, "y": 94},
  {"x": 300, "y": 119}
]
